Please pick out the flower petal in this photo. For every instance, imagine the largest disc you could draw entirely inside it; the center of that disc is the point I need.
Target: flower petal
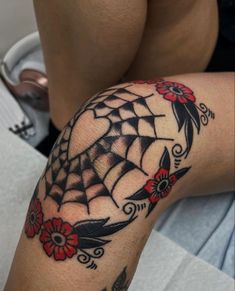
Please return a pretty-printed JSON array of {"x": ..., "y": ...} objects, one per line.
[
  {"x": 48, "y": 248},
  {"x": 178, "y": 85},
  {"x": 163, "y": 90},
  {"x": 40, "y": 218},
  {"x": 166, "y": 192},
  {"x": 191, "y": 97},
  {"x": 37, "y": 205},
  {"x": 45, "y": 236},
  {"x": 30, "y": 231},
  {"x": 66, "y": 228},
  {"x": 167, "y": 84},
  {"x": 59, "y": 253},
  {"x": 48, "y": 226},
  {"x": 161, "y": 173},
  {"x": 173, "y": 179},
  {"x": 186, "y": 90},
  {"x": 69, "y": 250},
  {"x": 72, "y": 239},
  {"x": 149, "y": 186},
  {"x": 182, "y": 99},
  {"x": 154, "y": 198},
  {"x": 57, "y": 224},
  {"x": 170, "y": 96},
  {"x": 37, "y": 227}
]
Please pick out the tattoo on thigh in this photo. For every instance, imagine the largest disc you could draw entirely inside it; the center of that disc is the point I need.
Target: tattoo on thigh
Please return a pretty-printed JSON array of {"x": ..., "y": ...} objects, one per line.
[{"x": 80, "y": 170}]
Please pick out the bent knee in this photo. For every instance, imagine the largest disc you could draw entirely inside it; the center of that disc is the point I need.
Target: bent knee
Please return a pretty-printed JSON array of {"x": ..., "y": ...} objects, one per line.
[{"x": 125, "y": 109}]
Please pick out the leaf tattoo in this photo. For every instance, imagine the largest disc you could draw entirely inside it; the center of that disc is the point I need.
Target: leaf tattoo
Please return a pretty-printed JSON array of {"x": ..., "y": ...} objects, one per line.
[
  {"x": 61, "y": 240},
  {"x": 121, "y": 283}
]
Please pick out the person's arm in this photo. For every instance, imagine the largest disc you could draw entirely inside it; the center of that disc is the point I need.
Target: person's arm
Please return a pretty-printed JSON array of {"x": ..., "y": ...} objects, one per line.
[{"x": 128, "y": 154}]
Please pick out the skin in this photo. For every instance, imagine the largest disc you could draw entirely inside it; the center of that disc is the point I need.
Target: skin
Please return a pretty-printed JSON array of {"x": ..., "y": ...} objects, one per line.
[
  {"x": 96, "y": 41},
  {"x": 90, "y": 45},
  {"x": 212, "y": 171},
  {"x": 179, "y": 37}
]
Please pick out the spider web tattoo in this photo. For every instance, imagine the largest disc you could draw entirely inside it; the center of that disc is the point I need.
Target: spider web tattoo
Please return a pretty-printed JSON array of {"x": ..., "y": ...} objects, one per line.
[
  {"x": 105, "y": 141},
  {"x": 76, "y": 175}
]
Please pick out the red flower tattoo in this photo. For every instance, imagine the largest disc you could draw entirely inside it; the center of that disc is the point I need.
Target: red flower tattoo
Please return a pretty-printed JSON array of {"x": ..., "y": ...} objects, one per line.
[
  {"x": 160, "y": 186},
  {"x": 58, "y": 239},
  {"x": 173, "y": 91},
  {"x": 34, "y": 219}
]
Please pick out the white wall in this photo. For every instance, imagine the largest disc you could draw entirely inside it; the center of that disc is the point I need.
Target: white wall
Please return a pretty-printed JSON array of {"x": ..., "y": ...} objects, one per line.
[{"x": 16, "y": 20}]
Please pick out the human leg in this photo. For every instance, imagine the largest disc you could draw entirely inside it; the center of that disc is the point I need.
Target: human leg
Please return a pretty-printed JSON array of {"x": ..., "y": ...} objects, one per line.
[
  {"x": 88, "y": 46},
  {"x": 128, "y": 154},
  {"x": 179, "y": 38}
]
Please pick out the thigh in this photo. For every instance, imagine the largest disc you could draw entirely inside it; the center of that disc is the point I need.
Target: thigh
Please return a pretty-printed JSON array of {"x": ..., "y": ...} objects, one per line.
[
  {"x": 179, "y": 37},
  {"x": 87, "y": 46}
]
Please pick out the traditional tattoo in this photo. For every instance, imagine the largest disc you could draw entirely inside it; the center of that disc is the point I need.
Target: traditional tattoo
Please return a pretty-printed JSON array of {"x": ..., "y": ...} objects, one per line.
[
  {"x": 80, "y": 170},
  {"x": 121, "y": 283},
  {"x": 61, "y": 240},
  {"x": 72, "y": 174},
  {"x": 188, "y": 115},
  {"x": 161, "y": 185}
]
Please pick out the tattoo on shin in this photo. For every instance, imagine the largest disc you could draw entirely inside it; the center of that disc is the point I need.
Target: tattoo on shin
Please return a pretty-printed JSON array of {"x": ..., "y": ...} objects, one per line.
[
  {"x": 80, "y": 170},
  {"x": 121, "y": 283}
]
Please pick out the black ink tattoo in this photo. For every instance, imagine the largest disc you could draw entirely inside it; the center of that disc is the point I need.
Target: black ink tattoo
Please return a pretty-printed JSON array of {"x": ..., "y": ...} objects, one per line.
[
  {"x": 61, "y": 240},
  {"x": 121, "y": 283},
  {"x": 188, "y": 115},
  {"x": 160, "y": 186},
  {"x": 115, "y": 114},
  {"x": 81, "y": 164}
]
